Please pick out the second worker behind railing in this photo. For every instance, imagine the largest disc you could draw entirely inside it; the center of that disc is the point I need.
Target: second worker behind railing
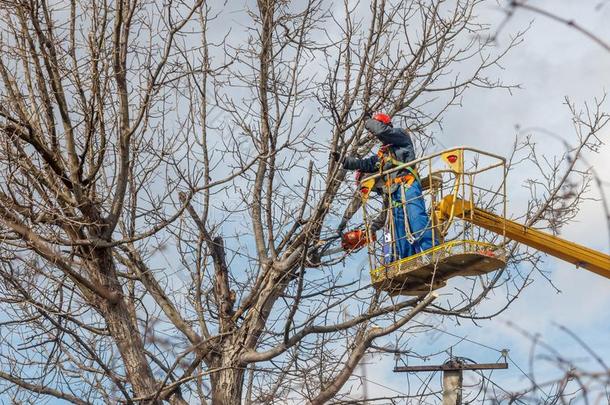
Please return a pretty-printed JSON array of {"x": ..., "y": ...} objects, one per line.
[{"x": 407, "y": 224}]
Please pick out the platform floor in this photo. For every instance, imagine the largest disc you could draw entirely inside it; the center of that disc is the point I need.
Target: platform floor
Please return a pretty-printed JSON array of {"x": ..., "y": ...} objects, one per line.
[{"x": 427, "y": 271}]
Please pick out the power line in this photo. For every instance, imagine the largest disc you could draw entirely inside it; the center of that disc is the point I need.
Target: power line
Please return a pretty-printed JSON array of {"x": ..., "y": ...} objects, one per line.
[
  {"x": 461, "y": 337},
  {"x": 504, "y": 352}
]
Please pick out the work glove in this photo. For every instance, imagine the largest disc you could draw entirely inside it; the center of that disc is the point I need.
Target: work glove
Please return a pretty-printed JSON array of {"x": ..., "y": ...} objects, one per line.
[{"x": 335, "y": 156}]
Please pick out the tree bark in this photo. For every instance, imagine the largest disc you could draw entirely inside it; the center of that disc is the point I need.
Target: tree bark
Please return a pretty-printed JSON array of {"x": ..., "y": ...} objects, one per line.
[
  {"x": 122, "y": 329},
  {"x": 228, "y": 381}
]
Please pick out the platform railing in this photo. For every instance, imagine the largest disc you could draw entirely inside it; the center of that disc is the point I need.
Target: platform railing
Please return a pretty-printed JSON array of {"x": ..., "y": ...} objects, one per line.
[{"x": 475, "y": 176}]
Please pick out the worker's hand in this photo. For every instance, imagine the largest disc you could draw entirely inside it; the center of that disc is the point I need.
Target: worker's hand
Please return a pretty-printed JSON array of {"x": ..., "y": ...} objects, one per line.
[{"x": 335, "y": 156}]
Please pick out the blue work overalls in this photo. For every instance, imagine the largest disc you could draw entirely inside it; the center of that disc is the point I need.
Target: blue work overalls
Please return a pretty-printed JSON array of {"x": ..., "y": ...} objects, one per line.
[{"x": 413, "y": 234}]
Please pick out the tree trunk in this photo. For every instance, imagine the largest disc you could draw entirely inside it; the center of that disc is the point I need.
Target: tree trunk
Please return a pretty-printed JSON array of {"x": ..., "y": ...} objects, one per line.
[
  {"x": 227, "y": 386},
  {"x": 129, "y": 342},
  {"x": 123, "y": 330}
]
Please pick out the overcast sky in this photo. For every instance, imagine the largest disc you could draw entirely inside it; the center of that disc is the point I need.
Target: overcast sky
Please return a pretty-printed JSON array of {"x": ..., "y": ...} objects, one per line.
[{"x": 553, "y": 62}]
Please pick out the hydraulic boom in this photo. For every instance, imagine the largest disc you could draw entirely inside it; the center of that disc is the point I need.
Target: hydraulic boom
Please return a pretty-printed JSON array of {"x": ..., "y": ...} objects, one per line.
[{"x": 571, "y": 252}]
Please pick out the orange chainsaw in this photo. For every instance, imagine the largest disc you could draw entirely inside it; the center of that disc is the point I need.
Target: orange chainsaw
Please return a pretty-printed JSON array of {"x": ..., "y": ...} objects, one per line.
[
  {"x": 350, "y": 241},
  {"x": 356, "y": 239}
]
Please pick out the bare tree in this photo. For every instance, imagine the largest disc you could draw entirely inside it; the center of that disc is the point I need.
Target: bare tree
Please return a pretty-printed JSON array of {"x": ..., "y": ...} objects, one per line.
[
  {"x": 514, "y": 5},
  {"x": 166, "y": 181},
  {"x": 581, "y": 376}
]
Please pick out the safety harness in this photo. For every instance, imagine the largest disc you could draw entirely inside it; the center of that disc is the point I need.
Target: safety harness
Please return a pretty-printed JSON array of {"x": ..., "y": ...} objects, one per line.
[{"x": 385, "y": 155}]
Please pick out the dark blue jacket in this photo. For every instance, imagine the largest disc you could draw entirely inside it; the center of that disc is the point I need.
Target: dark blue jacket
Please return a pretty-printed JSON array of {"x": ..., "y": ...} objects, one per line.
[{"x": 397, "y": 139}]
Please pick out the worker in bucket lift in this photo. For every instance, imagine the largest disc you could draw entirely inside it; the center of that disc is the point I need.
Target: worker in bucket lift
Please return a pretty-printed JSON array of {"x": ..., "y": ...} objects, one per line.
[{"x": 408, "y": 228}]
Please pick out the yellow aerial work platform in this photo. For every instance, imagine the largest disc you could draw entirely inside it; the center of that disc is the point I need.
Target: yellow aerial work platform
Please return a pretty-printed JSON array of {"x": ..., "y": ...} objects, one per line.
[
  {"x": 429, "y": 270},
  {"x": 474, "y": 245}
]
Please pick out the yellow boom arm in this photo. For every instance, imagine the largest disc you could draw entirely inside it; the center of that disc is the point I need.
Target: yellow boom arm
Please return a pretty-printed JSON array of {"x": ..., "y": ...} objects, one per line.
[{"x": 571, "y": 252}]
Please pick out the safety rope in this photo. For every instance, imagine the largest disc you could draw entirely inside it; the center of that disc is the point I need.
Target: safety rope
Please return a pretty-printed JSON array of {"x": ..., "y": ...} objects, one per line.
[{"x": 408, "y": 234}]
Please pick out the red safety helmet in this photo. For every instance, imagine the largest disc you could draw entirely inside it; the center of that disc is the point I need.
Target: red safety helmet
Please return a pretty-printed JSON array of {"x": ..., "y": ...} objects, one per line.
[{"x": 383, "y": 118}]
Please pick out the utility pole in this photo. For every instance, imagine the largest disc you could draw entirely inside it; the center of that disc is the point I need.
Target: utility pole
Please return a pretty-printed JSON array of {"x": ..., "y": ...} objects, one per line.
[
  {"x": 365, "y": 390},
  {"x": 452, "y": 376}
]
